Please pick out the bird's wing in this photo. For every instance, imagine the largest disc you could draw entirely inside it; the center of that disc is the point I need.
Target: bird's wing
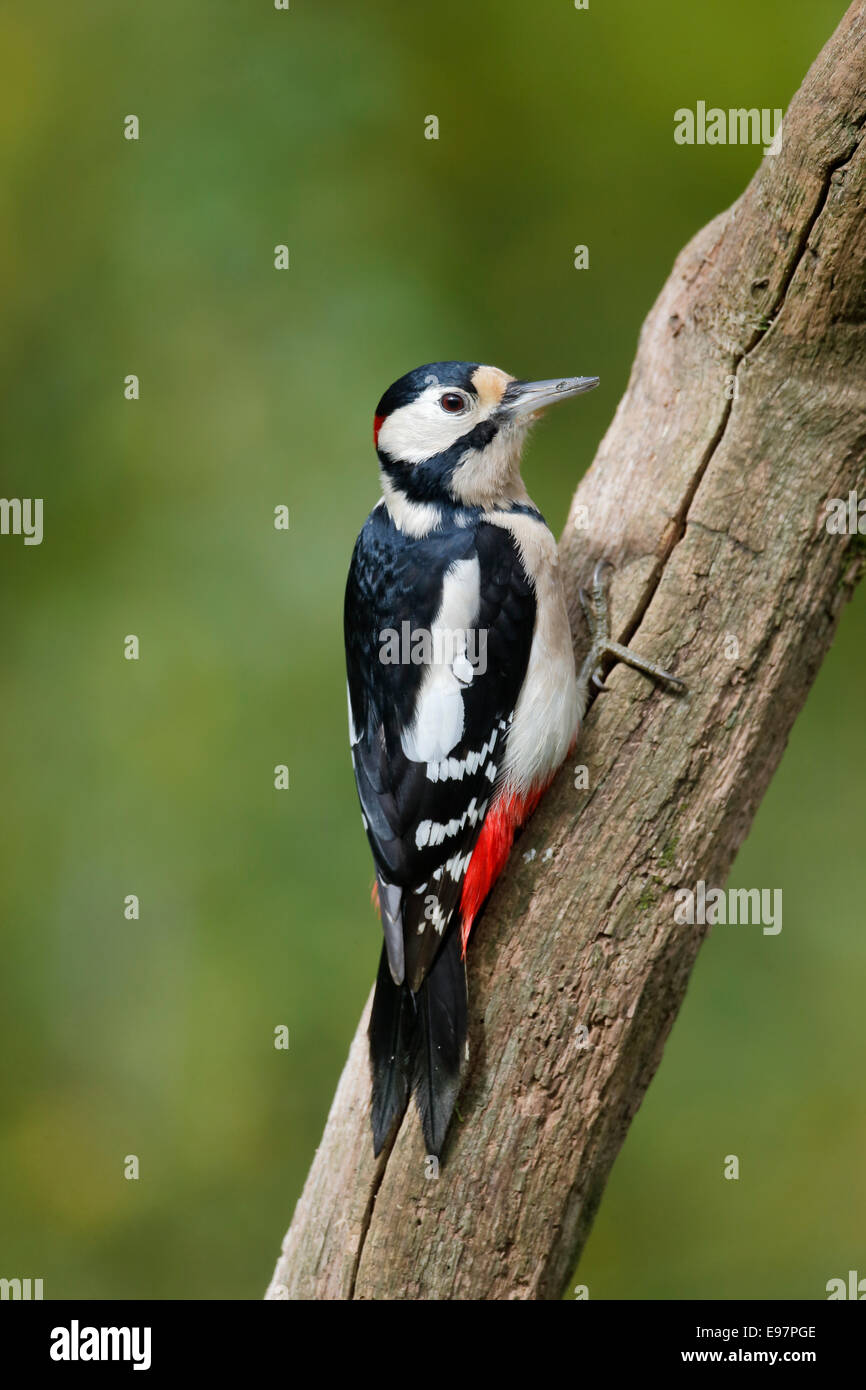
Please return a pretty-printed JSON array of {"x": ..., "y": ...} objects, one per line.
[{"x": 429, "y": 728}]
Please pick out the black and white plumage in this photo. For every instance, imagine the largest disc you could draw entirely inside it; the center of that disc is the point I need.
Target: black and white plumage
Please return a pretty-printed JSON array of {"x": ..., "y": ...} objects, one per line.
[
  {"x": 463, "y": 700},
  {"x": 428, "y": 739}
]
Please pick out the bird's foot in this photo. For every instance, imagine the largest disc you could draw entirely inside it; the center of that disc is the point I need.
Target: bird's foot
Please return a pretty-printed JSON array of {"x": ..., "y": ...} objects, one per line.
[{"x": 602, "y": 647}]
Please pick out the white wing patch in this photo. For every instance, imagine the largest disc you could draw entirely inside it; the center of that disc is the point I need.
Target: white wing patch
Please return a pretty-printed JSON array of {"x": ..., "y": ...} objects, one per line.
[
  {"x": 455, "y": 769},
  {"x": 433, "y": 832},
  {"x": 439, "y": 714}
]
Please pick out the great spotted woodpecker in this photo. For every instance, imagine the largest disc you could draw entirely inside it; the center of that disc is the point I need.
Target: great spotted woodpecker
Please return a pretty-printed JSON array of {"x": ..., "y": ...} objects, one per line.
[{"x": 463, "y": 699}]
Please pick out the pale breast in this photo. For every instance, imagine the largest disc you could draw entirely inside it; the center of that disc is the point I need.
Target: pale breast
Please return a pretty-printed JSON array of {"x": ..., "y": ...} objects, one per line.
[{"x": 547, "y": 712}]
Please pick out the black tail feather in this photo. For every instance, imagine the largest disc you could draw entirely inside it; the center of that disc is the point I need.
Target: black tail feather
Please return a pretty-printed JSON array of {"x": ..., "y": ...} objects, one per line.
[
  {"x": 439, "y": 1042},
  {"x": 392, "y": 1022},
  {"x": 419, "y": 1041}
]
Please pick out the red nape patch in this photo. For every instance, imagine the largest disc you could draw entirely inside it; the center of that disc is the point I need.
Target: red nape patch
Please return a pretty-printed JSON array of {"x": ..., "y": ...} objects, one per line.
[
  {"x": 490, "y": 854},
  {"x": 378, "y": 422}
]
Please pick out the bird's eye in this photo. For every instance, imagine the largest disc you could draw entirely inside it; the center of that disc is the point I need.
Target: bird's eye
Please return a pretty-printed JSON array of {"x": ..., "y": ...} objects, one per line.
[{"x": 453, "y": 402}]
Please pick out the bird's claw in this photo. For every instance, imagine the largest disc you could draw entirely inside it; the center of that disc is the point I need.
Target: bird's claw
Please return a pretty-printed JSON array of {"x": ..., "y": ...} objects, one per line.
[{"x": 602, "y": 647}]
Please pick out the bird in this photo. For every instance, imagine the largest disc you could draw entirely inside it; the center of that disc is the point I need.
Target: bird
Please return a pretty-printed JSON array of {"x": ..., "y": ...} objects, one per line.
[{"x": 464, "y": 699}]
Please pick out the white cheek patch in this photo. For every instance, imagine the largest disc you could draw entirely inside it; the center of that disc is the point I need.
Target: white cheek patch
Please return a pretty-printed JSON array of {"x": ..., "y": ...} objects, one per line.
[
  {"x": 421, "y": 429},
  {"x": 417, "y": 431},
  {"x": 439, "y": 715}
]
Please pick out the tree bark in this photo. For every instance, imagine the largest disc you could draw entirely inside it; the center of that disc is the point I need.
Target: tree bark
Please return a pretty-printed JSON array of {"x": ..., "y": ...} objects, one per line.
[{"x": 744, "y": 414}]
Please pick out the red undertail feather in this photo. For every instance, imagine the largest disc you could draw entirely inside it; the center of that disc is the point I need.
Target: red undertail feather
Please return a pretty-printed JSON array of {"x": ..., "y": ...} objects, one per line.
[{"x": 508, "y": 812}]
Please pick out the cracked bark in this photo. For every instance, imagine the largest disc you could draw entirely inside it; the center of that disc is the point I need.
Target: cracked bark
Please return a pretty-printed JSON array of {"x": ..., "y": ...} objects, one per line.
[{"x": 744, "y": 414}]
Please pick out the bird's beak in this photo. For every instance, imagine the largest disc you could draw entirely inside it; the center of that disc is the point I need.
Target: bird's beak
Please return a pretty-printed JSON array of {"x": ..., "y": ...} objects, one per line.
[{"x": 524, "y": 398}]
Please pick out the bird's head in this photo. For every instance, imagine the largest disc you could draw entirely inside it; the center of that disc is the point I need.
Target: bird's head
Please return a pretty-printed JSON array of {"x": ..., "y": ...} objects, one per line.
[{"x": 450, "y": 433}]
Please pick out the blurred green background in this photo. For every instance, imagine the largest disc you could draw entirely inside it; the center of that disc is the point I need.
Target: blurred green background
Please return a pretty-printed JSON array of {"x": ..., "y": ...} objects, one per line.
[{"x": 257, "y": 388}]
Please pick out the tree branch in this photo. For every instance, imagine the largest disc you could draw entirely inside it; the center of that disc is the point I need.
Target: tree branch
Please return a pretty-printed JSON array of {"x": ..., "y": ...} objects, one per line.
[{"x": 744, "y": 414}]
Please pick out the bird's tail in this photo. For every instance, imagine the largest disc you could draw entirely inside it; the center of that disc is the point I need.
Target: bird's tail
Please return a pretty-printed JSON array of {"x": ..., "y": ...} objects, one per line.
[
  {"x": 417, "y": 1043},
  {"x": 392, "y": 1022}
]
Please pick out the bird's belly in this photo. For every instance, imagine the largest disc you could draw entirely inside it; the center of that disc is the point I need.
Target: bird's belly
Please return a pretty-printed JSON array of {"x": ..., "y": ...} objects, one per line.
[{"x": 546, "y": 715}]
